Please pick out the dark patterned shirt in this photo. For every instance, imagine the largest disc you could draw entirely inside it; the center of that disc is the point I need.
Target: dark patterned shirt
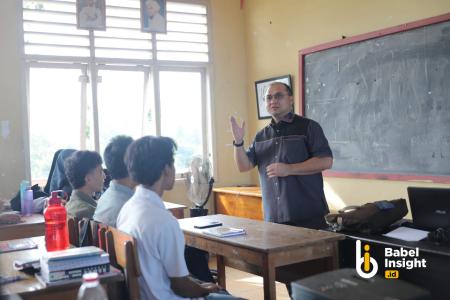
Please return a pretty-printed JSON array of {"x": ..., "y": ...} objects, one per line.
[{"x": 293, "y": 198}]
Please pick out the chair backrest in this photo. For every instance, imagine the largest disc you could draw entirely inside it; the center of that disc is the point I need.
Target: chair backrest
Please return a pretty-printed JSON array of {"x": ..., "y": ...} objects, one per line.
[
  {"x": 98, "y": 234},
  {"x": 72, "y": 225},
  {"x": 50, "y": 174},
  {"x": 85, "y": 236},
  {"x": 123, "y": 254}
]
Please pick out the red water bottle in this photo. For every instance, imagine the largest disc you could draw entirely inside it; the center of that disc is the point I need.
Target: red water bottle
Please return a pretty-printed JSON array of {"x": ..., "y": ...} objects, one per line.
[{"x": 56, "y": 232}]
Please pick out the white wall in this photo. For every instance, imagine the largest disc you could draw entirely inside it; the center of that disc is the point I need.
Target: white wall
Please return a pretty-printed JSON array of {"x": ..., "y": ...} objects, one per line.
[{"x": 12, "y": 148}]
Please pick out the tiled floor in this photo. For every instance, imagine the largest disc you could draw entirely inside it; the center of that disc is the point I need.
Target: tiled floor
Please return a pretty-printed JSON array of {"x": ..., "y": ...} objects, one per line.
[{"x": 249, "y": 286}]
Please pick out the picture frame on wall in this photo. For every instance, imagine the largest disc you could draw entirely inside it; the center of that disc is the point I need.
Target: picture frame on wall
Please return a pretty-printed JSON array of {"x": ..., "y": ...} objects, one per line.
[
  {"x": 261, "y": 87},
  {"x": 91, "y": 14},
  {"x": 153, "y": 16}
]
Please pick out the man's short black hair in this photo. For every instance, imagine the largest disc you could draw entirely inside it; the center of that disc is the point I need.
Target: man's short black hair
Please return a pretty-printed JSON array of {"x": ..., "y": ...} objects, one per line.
[
  {"x": 288, "y": 88},
  {"x": 147, "y": 157},
  {"x": 114, "y": 156},
  {"x": 79, "y": 164}
]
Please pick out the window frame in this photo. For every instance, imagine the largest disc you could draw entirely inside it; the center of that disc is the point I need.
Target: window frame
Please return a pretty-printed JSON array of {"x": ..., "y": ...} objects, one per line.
[{"x": 151, "y": 67}]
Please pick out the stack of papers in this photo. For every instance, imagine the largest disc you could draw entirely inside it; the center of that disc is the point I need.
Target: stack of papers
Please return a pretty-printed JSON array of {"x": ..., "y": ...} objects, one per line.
[
  {"x": 407, "y": 234},
  {"x": 16, "y": 245},
  {"x": 224, "y": 231}
]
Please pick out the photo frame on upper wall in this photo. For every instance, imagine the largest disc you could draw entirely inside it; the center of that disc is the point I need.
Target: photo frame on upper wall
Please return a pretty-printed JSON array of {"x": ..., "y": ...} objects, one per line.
[
  {"x": 261, "y": 87},
  {"x": 91, "y": 14},
  {"x": 153, "y": 16}
]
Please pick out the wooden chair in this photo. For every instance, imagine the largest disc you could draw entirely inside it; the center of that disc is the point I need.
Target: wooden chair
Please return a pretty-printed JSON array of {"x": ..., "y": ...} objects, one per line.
[
  {"x": 98, "y": 234},
  {"x": 72, "y": 226},
  {"x": 85, "y": 235},
  {"x": 123, "y": 255}
]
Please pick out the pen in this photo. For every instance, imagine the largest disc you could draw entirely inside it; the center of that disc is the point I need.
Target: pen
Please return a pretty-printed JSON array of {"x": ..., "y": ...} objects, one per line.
[{"x": 9, "y": 279}]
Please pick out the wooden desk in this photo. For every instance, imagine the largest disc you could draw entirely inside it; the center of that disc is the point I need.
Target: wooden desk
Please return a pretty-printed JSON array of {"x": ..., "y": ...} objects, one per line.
[
  {"x": 31, "y": 288},
  {"x": 176, "y": 209},
  {"x": 243, "y": 202},
  {"x": 265, "y": 247},
  {"x": 31, "y": 226}
]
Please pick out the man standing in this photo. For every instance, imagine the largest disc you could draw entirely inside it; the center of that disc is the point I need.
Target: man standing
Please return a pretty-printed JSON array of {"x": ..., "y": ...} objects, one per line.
[{"x": 291, "y": 153}]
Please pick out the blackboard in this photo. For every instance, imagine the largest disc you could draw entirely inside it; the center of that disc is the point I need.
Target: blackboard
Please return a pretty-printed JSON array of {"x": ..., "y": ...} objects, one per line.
[{"x": 383, "y": 100}]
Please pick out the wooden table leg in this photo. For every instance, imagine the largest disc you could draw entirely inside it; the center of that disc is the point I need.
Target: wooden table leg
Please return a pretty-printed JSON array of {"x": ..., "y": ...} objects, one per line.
[
  {"x": 334, "y": 259},
  {"x": 268, "y": 274},
  {"x": 221, "y": 271}
]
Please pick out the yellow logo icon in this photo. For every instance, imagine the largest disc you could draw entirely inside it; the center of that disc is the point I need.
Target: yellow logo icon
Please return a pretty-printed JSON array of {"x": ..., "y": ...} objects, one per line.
[
  {"x": 364, "y": 262},
  {"x": 391, "y": 274}
]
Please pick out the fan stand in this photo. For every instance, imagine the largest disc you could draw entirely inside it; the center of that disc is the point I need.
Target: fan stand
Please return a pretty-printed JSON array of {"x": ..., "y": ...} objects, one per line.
[{"x": 199, "y": 211}]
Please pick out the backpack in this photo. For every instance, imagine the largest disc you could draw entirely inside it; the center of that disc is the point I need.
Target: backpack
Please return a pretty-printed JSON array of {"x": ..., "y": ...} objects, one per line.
[
  {"x": 37, "y": 193},
  {"x": 369, "y": 218}
]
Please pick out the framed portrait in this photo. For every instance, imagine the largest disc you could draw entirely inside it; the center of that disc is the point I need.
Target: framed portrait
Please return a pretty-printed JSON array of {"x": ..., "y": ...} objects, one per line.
[
  {"x": 261, "y": 87},
  {"x": 153, "y": 16},
  {"x": 91, "y": 14}
]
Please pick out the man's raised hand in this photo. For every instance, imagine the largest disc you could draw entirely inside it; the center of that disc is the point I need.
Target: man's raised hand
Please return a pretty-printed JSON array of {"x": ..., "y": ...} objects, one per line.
[{"x": 238, "y": 131}]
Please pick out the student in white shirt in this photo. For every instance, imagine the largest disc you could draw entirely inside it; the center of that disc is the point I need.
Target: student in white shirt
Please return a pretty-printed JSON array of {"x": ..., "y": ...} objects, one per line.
[{"x": 159, "y": 239}]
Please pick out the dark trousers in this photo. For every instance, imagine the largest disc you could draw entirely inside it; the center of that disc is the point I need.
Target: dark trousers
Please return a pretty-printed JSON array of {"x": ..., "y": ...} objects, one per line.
[
  {"x": 315, "y": 223},
  {"x": 197, "y": 263}
]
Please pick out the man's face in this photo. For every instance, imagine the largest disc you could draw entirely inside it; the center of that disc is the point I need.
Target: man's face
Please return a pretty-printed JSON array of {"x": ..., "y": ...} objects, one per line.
[
  {"x": 280, "y": 103},
  {"x": 152, "y": 8},
  {"x": 170, "y": 177},
  {"x": 95, "y": 179}
]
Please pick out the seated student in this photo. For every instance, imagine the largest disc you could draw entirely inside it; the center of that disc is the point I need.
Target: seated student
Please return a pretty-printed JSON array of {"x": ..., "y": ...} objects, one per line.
[
  {"x": 159, "y": 239},
  {"x": 85, "y": 174},
  {"x": 121, "y": 187}
]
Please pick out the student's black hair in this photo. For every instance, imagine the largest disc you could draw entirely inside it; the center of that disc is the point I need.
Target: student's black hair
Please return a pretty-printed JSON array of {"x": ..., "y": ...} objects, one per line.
[
  {"x": 79, "y": 164},
  {"x": 147, "y": 157},
  {"x": 114, "y": 156},
  {"x": 288, "y": 88}
]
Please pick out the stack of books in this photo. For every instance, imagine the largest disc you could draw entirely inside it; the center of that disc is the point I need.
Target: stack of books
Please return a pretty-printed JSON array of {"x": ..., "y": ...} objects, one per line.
[{"x": 73, "y": 263}]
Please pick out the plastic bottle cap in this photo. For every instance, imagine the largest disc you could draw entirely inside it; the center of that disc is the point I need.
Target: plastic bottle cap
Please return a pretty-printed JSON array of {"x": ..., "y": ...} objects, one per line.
[
  {"x": 90, "y": 277},
  {"x": 54, "y": 199}
]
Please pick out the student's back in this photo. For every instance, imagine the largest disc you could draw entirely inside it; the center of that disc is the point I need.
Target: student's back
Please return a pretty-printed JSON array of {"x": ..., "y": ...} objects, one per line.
[{"x": 159, "y": 240}]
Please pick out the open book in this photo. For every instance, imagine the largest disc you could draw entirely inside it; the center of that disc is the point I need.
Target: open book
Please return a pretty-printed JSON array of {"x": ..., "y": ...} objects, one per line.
[{"x": 223, "y": 231}]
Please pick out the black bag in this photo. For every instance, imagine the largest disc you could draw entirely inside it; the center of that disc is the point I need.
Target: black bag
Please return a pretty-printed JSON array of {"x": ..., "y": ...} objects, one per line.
[
  {"x": 369, "y": 218},
  {"x": 37, "y": 193}
]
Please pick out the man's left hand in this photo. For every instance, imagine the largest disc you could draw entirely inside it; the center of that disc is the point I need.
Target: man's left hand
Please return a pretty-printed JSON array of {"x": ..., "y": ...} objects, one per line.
[{"x": 278, "y": 170}]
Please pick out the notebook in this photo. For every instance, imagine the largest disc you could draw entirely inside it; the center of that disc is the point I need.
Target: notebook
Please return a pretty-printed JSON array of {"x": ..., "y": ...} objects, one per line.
[
  {"x": 224, "y": 231},
  {"x": 430, "y": 207}
]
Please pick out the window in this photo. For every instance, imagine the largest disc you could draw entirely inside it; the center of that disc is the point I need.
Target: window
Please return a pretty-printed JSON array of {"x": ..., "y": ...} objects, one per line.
[
  {"x": 86, "y": 87},
  {"x": 182, "y": 103}
]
